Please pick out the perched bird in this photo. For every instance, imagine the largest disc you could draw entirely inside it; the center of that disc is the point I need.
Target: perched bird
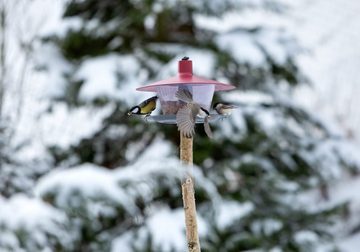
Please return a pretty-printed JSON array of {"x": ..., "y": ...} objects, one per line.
[
  {"x": 223, "y": 108},
  {"x": 144, "y": 108},
  {"x": 186, "y": 116}
]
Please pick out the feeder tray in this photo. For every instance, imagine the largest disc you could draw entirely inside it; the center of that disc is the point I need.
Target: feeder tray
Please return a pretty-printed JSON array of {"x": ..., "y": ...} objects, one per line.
[{"x": 171, "y": 119}]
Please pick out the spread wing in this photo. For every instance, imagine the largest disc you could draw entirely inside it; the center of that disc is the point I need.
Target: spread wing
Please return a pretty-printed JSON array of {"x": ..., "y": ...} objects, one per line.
[
  {"x": 185, "y": 119},
  {"x": 184, "y": 95},
  {"x": 207, "y": 127}
]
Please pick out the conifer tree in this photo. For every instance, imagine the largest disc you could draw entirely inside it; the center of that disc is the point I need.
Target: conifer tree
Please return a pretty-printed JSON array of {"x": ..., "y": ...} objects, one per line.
[{"x": 263, "y": 158}]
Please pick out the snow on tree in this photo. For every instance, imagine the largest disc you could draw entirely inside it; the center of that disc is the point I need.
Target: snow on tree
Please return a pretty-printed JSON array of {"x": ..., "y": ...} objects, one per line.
[
  {"x": 265, "y": 155},
  {"x": 33, "y": 225},
  {"x": 115, "y": 183},
  {"x": 104, "y": 204},
  {"x": 22, "y": 161}
]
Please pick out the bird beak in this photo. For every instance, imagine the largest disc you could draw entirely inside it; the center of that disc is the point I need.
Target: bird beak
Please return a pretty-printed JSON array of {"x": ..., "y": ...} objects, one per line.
[{"x": 129, "y": 113}]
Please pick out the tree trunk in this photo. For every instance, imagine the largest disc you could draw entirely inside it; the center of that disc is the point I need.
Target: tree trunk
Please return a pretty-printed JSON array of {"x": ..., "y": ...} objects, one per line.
[{"x": 186, "y": 156}]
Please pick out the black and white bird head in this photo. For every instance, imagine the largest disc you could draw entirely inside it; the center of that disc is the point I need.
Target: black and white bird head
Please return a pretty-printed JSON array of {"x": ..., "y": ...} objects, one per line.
[{"x": 134, "y": 110}]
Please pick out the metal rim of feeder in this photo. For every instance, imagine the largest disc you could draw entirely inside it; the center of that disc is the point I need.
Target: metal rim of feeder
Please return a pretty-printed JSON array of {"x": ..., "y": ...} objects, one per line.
[
  {"x": 171, "y": 119},
  {"x": 202, "y": 90}
]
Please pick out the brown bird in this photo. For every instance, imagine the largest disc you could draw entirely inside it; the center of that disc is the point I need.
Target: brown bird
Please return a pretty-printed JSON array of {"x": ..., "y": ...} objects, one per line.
[
  {"x": 223, "y": 108},
  {"x": 186, "y": 116}
]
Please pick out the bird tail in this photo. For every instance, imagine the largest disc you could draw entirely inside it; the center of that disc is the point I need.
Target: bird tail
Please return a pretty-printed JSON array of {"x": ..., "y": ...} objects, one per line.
[
  {"x": 184, "y": 95},
  {"x": 207, "y": 127},
  {"x": 231, "y": 106}
]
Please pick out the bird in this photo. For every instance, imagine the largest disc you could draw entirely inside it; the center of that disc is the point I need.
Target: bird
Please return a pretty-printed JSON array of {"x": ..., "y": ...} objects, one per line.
[
  {"x": 144, "y": 108},
  {"x": 224, "y": 108},
  {"x": 186, "y": 115},
  {"x": 207, "y": 128}
]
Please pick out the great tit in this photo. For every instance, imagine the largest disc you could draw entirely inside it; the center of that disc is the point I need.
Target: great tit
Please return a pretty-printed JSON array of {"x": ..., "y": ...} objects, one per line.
[
  {"x": 186, "y": 115},
  {"x": 223, "y": 108},
  {"x": 144, "y": 108}
]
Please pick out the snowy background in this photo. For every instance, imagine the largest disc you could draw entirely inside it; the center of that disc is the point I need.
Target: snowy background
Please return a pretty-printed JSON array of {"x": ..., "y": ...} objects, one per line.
[{"x": 49, "y": 202}]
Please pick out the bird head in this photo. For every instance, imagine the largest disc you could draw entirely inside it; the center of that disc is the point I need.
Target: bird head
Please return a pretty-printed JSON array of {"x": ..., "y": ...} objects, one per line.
[
  {"x": 134, "y": 110},
  {"x": 217, "y": 105}
]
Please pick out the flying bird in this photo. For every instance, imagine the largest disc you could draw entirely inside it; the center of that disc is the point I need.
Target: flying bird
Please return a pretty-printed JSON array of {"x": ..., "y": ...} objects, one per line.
[
  {"x": 224, "y": 108},
  {"x": 144, "y": 108},
  {"x": 186, "y": 116}
]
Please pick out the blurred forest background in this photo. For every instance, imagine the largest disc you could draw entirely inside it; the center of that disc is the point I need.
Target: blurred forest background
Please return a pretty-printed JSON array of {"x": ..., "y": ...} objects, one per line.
[{"x": 78, "y": 174}]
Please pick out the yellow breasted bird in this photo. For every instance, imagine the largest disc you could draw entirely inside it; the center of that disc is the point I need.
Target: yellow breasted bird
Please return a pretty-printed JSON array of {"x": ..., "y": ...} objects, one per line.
[{"x": 144, "y": 108}]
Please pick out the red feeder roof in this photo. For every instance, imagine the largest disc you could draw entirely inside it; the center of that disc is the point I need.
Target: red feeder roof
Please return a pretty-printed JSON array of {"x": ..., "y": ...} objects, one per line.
[{"x": 185, "y": 76}]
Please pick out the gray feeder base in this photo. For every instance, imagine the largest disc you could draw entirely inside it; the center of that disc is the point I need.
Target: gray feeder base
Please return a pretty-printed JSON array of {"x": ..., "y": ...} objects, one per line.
[{"x": 171, "y": 119}]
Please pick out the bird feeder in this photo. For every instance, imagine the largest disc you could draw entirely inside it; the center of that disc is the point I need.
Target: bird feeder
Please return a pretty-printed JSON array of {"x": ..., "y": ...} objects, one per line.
[{"x": 202, "y": 91}]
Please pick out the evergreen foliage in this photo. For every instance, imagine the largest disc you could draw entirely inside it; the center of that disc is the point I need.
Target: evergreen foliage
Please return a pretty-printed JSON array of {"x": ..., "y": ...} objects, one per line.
[{"x": 250, "y": 179}]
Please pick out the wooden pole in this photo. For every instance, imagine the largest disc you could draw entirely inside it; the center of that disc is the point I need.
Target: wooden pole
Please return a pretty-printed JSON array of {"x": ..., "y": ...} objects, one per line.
[{"x": 187, "y": 185}]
